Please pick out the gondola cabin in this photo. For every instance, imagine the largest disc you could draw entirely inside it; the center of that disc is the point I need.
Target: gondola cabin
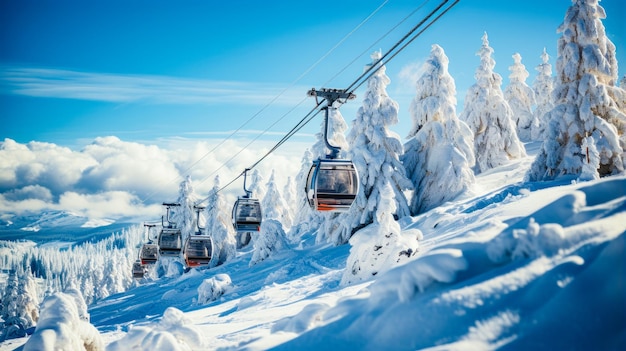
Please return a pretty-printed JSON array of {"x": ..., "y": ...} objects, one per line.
[
  {"x": 247, "y": 215},
  {"x": 138, "y": 270},
  {"x": 198, "y": 250},
  {"x": 170, "y": 242},
  {"x": 149, "y": 253},
  {"x": 332, "y": 185}
]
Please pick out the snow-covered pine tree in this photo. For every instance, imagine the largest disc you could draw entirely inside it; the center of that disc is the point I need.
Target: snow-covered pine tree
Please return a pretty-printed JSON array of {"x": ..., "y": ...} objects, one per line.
[
  {"x": 543, "y": 87},
  {"x": 185, "y": 215},
  {"x": 289, "y": 194},
  {"x": 99, "y": 273},
  {"x": 375, "y": 151},
  {"x": 306, "y": 219},
  {"x": 382, "y": 245},
  {"x": 269, "y": 240},
  {"x": 439, "y": 154},
  {"x": 584, "y": 96},
  {"x": 276, "y": 216},
  {"x": 521, "y": 98},
  {"x": 489, "y": 116},
  {"x": 87, "y": 284},
  {"x": 116, "y": 271},
  {"x": 20, "y": 304},
  {"x": 219, "y": 227},
  {"x": 273, "y": 204},
  {"x": 257, "y": 185}
]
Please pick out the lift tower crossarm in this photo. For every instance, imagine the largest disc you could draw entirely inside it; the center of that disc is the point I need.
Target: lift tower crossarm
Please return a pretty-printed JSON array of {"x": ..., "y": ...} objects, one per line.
[
  {"x": 330, "y": 95},
  {"x": 168, "y": 205}
]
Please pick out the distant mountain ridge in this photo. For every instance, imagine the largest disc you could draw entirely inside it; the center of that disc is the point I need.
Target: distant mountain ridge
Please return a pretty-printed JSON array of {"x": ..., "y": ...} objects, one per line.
[{"x": 55, "y": 225}]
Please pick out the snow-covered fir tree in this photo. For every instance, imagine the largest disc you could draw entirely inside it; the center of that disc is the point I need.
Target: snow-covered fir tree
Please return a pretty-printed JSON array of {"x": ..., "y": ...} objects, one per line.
[
  {"x": 276, "y": 217},
  {"x": 20, "y": 304},
  {"x": 269, "y": 240},
  {"x": 87, "y": 285},
  {"x": 585, "y": 99},
  {"x": 274, "y": 205},
  {"x": 116, "y": 279},
  {"x": 289, "y": 194},
  {"x": 219, "y": 227},
  {"x": 257, "y": 185},
  {"x": 185, "y": 214},
  {"x": 98, "y": 269},
  {"x": 489, "y": 116},
  {"x": 306, "y": 219},
  {"x": 439, "y": 154},
  {"x": 543, "y": 87},
  {"x": 381, "y": 245},
  {"x": 375, "y": 151},
  {"x": 521, "y": 98}
]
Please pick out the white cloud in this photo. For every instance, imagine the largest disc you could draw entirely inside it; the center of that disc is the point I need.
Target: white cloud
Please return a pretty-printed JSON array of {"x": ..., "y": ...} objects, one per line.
[
  {"x": 409, "y": 74},
  {"x": 121, "y": 88},
  {"x": 35, "y": 192},
  {"x": 24, "y": 205},
  {"x": 112, "y": 178},
  {"x": 37, "y": 163},
  {"x": 127, "y": 166},
  {"x": 111, "y": 204}
]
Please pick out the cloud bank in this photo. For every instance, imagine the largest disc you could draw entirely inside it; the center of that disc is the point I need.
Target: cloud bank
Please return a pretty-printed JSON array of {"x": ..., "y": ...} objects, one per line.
[{"x": 116, "y": 179}]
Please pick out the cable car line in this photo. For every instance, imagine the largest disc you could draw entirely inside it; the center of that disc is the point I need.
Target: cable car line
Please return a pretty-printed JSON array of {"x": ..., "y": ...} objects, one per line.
[
  {"x": 307, "y": 118},
  {"x": 292, "y": 132},
  {"x": 300, "y": 126},
  {"x": 377, "y": 41},
  {"x": 370, "y": 71},
  {"x": 331, "y": 185},
  {"x": 251, "y": 142},
  {"x": 274, "y": 99},
  {"x": 361, "y": 79}
]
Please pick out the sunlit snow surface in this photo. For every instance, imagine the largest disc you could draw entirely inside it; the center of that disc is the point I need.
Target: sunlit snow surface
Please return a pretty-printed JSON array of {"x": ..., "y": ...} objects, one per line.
[{"x": 512, "y": 265}]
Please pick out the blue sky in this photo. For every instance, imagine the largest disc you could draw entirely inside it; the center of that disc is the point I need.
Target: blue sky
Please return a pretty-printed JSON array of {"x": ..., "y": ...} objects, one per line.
[{"x": 147, "y": 70}]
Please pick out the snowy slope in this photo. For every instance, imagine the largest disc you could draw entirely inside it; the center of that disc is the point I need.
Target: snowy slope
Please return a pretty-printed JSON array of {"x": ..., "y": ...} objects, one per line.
[
  {"x": 55, "y": 226},
  {"x": 513, "y": 265}
]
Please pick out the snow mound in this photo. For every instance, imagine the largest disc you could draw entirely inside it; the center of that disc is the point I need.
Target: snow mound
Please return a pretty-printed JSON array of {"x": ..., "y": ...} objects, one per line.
[
  {"x": 534, "y": 241},
  {"x": 64, "y": 325},
  {"x": 174, "y": 333},
  {"x": 212, "y": 289},
  {"x": 435, "y": 266},
  {"x": 564, "y": 224},
  {"x": 378, "y": 248},
  {"x": 310, "y": 317}
]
